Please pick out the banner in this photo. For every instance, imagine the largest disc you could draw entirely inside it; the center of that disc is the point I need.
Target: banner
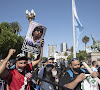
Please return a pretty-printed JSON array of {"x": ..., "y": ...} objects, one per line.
[
  {"x": 35, "y": 34},
  {"x": 89, "y": 83}
]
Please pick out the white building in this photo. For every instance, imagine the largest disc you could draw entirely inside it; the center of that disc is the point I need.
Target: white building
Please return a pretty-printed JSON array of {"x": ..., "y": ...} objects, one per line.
[
  {"x": 59, "y": 55},
  {"x": 63, "y": 47},
  {"x": 52, "y": 50}
]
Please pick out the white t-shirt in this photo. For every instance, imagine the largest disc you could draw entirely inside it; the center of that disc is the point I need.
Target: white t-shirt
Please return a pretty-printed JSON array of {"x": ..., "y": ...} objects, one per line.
[
  {"x": 31, "y": 42},
  {"x": 89, "y": 83},
  {"x": 94, "y": 69}
]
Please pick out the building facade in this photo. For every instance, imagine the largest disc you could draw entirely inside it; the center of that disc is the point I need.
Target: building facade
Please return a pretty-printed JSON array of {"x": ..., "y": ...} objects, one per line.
[
  {"x": 52, "y": 50},
  {"x": 63, "y": 47}
]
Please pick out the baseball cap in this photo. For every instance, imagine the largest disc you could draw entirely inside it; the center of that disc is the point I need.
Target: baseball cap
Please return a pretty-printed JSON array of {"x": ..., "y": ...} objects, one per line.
[{"x": 21, "y": 56}]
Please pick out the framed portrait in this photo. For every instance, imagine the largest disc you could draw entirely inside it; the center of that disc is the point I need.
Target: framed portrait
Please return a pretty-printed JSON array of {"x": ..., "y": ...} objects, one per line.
[{"x": 33, "y": 37}]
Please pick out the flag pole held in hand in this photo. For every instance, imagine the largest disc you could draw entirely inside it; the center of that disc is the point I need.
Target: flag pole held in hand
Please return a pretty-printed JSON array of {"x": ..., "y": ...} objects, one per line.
[{"x": 90, "y": 71}]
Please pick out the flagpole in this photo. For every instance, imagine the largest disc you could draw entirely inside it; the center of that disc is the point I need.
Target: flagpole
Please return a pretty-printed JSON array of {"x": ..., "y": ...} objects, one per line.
[{"x": 74, "y": 46}]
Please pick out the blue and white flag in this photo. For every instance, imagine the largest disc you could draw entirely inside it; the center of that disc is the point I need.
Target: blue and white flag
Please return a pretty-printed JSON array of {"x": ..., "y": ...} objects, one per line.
[{"x": 77, "y": 24}]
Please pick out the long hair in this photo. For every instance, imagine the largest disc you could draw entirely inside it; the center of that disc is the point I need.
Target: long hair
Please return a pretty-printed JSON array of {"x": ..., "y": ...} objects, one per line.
[
  {"x": 62, "y": 70},
  {"x": 48, "y": 72}
]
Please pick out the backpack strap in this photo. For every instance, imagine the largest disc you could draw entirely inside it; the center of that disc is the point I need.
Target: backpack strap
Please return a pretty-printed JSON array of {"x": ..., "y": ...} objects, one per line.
[
  {"x": 70, "y": 73},
  {"x": 82, "y": 70}
]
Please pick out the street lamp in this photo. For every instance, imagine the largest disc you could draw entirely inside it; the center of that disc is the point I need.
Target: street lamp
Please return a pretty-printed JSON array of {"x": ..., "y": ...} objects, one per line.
[{"x": 31, "y": 15}]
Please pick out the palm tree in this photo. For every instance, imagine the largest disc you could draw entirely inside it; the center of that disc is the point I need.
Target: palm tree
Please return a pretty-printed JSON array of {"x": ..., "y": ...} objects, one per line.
[
  {"x": 85, "y": 40},
  {"x": 16, "y": 27}
]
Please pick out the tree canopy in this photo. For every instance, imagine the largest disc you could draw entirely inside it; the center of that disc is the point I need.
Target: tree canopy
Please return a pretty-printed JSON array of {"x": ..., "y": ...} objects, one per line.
[
  {"x": 82, "y": 55},
  {"x": 16, "y": 28},
  {"x": 9, "y": 39}
]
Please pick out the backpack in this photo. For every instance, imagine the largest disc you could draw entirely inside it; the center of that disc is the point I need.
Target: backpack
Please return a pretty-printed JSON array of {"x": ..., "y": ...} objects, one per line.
[{"x": 71, "y": 73}]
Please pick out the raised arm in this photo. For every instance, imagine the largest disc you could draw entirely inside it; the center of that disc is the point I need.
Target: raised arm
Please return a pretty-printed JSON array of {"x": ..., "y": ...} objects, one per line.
[
  {"x": 74, "y": 83},
  {"x": 3, "y": 71},
  {"x": 41, "y": 54}
]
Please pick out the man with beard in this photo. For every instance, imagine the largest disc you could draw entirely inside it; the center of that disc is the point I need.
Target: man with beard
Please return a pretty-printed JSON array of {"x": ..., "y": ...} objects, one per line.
[
  {"x": 73, "y": 77},
  {"x": 19, "y": 78}
]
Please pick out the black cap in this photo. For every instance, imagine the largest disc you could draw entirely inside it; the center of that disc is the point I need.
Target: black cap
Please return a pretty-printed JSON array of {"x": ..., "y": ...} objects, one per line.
[{"x": 21, "y": 57}]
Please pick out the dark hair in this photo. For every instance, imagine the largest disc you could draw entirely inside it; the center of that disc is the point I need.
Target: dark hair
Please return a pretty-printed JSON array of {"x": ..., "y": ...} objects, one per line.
[
  {"x": 93, "y": 63},
  {"x": 81, "y": 64},
  {"x": 22, "y": 58},
  {"x": 45, "y": 60},
  {"x": 62, "y": 63},
  {"x": 36, "y": 28},
  {"x": 62, "y": 70},
  {"x": 48, "y": 72},
  {"x": 51, "y": 58},
  {"x": 35, "y": 71},
  {"x": 13, "y": 61}
]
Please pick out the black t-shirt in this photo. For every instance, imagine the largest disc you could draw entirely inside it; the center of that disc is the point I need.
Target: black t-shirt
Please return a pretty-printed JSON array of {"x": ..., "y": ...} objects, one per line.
[
  {"x": 67, "y": 79},
  {"x": 99, "y": 70}
]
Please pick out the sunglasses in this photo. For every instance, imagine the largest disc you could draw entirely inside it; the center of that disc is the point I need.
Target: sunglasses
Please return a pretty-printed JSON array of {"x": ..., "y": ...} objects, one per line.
[{"x": 74, "y": 59}]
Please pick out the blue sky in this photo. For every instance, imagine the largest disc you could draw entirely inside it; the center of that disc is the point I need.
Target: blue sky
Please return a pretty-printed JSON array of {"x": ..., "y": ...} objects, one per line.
[{"x": 56, "y": 16}]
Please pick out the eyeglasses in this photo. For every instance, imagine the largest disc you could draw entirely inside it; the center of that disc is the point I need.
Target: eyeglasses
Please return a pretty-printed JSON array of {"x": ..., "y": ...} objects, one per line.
[{"x": 74, "y": 59}]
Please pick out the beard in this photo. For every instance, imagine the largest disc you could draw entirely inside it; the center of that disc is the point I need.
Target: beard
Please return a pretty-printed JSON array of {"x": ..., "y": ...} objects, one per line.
[
  {"x": 38, "y": 37},
  {"x": 77, "y": 70},
  {"x": 20, "y": 69}
]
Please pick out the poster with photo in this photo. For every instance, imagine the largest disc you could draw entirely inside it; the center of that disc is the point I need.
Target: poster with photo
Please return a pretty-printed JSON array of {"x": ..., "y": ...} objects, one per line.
[{"x": 33, "y": 37}]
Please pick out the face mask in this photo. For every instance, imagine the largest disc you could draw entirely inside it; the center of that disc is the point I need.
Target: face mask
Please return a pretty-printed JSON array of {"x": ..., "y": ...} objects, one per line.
[
  {"x": 57, "y": 80},
  {"x": 20, "y": 69},
  {"x": 59, "y": 66},
  {"x": 54, "y": 73},
  {"x": 9, "y": 66},
  {"x": 97, "y": 66},
  {"x": 76, "y": 69}
]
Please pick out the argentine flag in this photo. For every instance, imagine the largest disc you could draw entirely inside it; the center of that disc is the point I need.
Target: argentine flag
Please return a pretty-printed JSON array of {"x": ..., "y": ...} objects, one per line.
[{"x": 77, "y": 24}]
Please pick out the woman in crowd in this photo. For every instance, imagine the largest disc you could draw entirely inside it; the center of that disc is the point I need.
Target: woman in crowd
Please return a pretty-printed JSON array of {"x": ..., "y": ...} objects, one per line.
[{"x": 49, "y": 75}]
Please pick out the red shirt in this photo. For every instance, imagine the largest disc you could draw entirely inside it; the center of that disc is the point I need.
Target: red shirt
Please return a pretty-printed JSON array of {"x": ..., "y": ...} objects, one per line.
[{"x": 16, "y": 80}]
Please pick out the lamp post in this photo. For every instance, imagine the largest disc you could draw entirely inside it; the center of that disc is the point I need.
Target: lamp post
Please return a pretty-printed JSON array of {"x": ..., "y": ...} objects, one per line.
[{"x": 30, "y": 16}]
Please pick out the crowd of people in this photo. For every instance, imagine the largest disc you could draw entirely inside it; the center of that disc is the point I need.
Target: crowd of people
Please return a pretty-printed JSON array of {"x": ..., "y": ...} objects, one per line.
[{"x": 20, "y": 74}]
